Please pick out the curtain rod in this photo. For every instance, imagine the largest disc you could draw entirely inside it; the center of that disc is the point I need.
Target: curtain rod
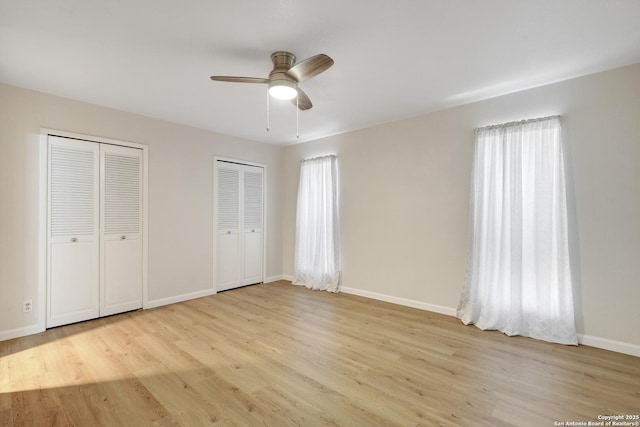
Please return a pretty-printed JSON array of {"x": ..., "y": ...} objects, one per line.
[
  {"x": 516, "y": 123},
  {"x": 319, "y": 157}
]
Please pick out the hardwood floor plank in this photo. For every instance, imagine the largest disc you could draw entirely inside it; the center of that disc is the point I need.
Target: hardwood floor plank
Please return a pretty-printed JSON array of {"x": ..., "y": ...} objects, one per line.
[{"x": 184, "y": 404}]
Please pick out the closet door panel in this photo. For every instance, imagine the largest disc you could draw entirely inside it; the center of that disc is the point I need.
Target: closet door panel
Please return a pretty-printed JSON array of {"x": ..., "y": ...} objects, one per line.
[
  {"x": 121, "y": 229},
  {"x": 72, "y": 238},
  {"x": 122, "y": 276},
  {"x": 73, "y": 291},
  {"x": 228, "y": 250},
  {"x": 252, "y": 258},
  {"x": 252, "y": 218},
  {"x": 228, "y": 262}
]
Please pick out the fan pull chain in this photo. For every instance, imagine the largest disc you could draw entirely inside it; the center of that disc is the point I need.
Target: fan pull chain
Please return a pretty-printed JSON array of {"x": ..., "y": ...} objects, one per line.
[
  {"x": 267, "y": 110},
  {"x": 297, "y": 114}
]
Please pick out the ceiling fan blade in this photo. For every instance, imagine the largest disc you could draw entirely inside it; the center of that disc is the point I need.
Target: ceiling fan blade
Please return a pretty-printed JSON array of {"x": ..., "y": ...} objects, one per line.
[
  {"x": 309, "y": 67},
  {"x": 239, "y": 79},
  {"x": 303, "y": 101}
]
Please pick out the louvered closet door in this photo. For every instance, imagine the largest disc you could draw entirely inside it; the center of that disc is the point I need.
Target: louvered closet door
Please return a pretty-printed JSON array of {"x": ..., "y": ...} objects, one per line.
[
  {"x": 252, "y": 215},
  {"x": 227, "y": 216},
  {"x": 73, "y": 242},
  {"x": 120, "y": 229},
  {"x": 239, "y": 218}
]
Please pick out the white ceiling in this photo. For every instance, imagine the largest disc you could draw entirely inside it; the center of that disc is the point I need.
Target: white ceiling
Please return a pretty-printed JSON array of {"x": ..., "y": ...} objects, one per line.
[{"x": 393, "y": 59}]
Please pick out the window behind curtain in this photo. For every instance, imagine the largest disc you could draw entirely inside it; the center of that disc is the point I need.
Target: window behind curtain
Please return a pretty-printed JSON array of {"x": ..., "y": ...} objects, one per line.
[
  {"x": 519, "y": 279},
  {"x": 317, "y": 249}
]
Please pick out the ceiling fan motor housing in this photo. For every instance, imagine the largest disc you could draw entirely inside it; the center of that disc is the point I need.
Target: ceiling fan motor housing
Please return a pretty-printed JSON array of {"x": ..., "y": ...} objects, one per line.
[
  {"x": 280, "y": 84},
  {"x": 282, "y": 60}
]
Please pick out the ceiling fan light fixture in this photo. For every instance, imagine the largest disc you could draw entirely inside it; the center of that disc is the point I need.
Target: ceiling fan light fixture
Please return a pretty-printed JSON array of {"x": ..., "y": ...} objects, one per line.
[{"x": 283, "y": 89}]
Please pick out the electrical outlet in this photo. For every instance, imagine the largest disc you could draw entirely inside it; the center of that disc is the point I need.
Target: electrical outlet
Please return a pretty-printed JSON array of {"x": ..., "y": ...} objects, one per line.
[{"x": 27, "y": 306}]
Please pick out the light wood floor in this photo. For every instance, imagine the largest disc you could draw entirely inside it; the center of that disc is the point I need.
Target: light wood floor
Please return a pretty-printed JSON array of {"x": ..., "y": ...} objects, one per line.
[{"x": 282, "y": 355}]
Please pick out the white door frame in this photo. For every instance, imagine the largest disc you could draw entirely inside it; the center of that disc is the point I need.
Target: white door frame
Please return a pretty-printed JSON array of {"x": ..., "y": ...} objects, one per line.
[
  {"x": 43, "y": 208},
  {"x": 215, "y": 209}
]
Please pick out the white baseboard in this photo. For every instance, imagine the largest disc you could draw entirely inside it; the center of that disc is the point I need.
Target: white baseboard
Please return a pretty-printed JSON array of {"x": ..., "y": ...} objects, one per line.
[
  {"x": 607, "y": 344},
  {"x": 287, "y": 277},
  {"x": 179, "y": 298},
  {"x": 401, "y": 301},
  {"x": 20, "y": 332},
  {"x": 274, "y": 278}
]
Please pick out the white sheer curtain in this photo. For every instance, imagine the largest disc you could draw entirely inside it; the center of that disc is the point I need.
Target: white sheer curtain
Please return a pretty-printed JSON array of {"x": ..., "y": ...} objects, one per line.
[
  {"x": 519, "y": 279},
  {"x": 317, "y": 250}
]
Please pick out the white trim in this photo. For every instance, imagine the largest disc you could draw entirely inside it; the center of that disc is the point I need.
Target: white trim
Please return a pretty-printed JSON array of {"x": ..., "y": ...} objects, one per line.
[
  {"x": 145, "y": 227},
  {"x": 91, "y": 138},
  {"x": 179, "y": 298},
  {"x": 42, "y": 276},
  {"x": 274, "y": 278},
  {"x": 41, "y": 308},
  {"x": 264, "y": 222},
  {"x": 401, "y": 301},
  {"x": 214, "y": 229},
  {"x": 607, "y": 344},
  {"x": 21, "y": 332},
  {"x": 287, "y": 277},
  {"x": 238, "y": 161}
]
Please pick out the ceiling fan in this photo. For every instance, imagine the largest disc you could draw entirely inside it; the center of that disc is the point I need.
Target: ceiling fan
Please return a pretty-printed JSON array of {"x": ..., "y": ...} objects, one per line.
[{"x": 286, "y": 74}]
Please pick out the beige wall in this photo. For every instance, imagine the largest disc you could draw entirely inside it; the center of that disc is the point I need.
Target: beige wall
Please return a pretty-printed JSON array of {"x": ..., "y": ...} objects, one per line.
[
  {"x": 404, "y": 192},
  {"x": 180, "y": 196},
  {"x": 405, "y": 199}
]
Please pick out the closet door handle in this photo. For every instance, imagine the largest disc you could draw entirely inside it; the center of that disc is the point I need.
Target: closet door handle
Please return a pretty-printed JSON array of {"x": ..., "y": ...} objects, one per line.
[
  {"x": 123, "y": 237},
  {"x": 73, "y": 240}
]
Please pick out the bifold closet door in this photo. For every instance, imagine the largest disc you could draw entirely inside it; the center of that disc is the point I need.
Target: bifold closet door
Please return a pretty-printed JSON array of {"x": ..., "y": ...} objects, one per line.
[
  {"x": 228, "y": 253},
  {"x": 239, "y": 225},
  {"x": 73, "y": 237},
  {"x": 120, "y": 229},
  {"x": 252, "y": 217},
  {"x": 94, "y": 256}
]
